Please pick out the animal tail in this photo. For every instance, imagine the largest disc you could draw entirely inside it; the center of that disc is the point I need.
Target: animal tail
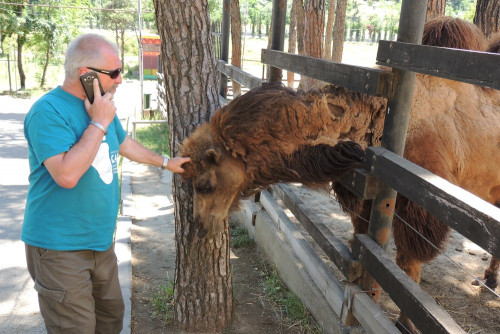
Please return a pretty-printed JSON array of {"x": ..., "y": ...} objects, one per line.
[{"x": 323, "y": 163}]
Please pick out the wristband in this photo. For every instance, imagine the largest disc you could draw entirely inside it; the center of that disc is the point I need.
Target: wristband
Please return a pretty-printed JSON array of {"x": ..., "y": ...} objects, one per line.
[
  {"x": 165, "y": 162},
  {"x": 99, "y": 126}
]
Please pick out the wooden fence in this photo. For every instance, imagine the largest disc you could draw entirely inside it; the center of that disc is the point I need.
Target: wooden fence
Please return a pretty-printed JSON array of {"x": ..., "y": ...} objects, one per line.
[{"x": 386, "y": 172}]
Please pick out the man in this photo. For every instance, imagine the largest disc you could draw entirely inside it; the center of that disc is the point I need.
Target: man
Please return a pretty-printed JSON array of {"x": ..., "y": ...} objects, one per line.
[{"x": 73, "y": 196}]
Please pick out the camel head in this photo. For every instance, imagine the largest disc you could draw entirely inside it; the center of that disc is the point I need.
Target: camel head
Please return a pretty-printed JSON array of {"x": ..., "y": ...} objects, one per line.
[{"x": 218, "y": 180}]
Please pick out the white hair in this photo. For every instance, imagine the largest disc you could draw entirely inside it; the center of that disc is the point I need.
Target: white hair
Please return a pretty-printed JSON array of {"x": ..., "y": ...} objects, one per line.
[{"x": 83, "y": 51}]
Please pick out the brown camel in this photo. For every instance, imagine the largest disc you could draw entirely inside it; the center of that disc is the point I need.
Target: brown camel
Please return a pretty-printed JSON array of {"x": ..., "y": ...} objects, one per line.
[{"x": 274, "y": 134}]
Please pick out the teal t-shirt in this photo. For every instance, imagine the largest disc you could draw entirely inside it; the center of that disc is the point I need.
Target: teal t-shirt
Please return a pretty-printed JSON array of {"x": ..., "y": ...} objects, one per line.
[{"x": 83, "y": 217}]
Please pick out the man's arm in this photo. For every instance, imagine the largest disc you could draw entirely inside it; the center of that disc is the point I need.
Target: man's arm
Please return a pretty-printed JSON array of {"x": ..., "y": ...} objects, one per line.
[{"x": 134, "y": 151}]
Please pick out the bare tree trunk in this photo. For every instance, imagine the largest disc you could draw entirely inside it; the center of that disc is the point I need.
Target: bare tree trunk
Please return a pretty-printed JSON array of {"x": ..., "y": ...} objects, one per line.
[
  {"x": 203, "y": 286},
  {"x": 46, "y": 65},
  {"x": 329, "y": 30},
  {"x": 301, "y": 27},
  {"x": 435, "y": 9},
  {"x": 236, "y": 42},
  {"x": 21, "y": 39},
  {"x": 487, "y": 16},
  {"x": 339, "y": 30},
  {"x": 313, "y": 35},
  {"x": 292, "y": 38}
]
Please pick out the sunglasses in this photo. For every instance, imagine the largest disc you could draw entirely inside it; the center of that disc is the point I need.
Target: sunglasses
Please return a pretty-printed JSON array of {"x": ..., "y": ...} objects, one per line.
[{"x": 113, "y": 74}]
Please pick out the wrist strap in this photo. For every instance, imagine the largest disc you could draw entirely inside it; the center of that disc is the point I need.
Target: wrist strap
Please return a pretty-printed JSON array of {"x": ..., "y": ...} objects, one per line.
[
  {"x": 165, "y": 162},
  {"x": 99, "y": 126}
]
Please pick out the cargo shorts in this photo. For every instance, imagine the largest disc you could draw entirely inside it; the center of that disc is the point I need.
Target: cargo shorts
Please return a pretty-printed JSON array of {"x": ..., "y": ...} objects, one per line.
[{"x": 78, "y": 291}]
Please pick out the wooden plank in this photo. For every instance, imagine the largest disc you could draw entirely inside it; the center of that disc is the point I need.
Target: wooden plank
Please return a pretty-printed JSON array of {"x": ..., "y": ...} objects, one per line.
[
  {"x": 425, "y": 313},
  {"x": 474, "y": 67},
  {"x": 322, "y": 277},
  {"x": 368, "y": 313},
  {"x": 361, "y": 79},
  {"x": 360, "y": 183},
  {"x": 468, "y": 214},
  {"x": 333, "y": 247},
  {"x": 242, "y": 77}
]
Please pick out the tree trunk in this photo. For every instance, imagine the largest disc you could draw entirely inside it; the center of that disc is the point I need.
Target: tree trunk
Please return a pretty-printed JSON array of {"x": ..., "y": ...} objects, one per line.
[
  {"x": 435, "y": 9},
  {"x": 292, "y": 37},
  {"x": 45, "y": 66},
  {"x": 329, "y": 30},
  {"x": 21, "y": 39},
  {"x": 339, "y": 29},
  {"x": 487, "y": 16},
  {"x": 22, "y": 77},
  {"x": 236, "y": 42},
  {"x": 301, "y": 27},
  {"x": 313, "y": 35},
  {"x": 122, "y": 45},
  {"x": 203, "y": 286}
]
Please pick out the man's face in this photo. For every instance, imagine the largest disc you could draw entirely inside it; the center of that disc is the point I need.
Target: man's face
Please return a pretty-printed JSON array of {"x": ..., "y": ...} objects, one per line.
[{"x": 110, "y": 63}]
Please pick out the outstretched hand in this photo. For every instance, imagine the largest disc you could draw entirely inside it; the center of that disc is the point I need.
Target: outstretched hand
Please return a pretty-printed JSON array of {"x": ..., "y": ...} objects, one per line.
[{"x": 174, "y": 164}]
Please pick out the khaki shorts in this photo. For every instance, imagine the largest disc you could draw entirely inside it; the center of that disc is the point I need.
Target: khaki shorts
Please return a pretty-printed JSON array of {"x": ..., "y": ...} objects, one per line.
[{"x": 78, "y": 291}]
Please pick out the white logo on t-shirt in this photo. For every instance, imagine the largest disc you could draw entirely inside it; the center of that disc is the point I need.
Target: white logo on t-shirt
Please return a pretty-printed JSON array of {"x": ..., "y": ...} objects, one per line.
[{"x": 102, "y": 163}]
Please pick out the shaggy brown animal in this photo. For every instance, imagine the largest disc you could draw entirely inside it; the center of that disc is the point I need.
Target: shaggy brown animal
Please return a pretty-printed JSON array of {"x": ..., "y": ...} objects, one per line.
[{"x": 270, "y": 135}]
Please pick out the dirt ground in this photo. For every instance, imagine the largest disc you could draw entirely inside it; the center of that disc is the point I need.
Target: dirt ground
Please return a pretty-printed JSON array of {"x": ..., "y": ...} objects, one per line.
[
  {"x": 153, "y": 261},
  {"x": 153, "y": 264}
]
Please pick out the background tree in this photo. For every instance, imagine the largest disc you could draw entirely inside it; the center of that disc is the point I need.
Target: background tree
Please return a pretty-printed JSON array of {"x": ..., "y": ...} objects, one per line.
[
  {"x": 119, "y": 20},
  {"x": 51, "y": 29},
  {"x": 236, "y": 41},
  {"x": 487, "y": 16},
  {"x": 292, "y": 36},
  {"x": 435, "y": 9},
  {"x": 329, "y": 30},
  {"x": 339, "y": 29},
  {"x": 203, "y": 286},
  {"x": 313, "y": 35}
]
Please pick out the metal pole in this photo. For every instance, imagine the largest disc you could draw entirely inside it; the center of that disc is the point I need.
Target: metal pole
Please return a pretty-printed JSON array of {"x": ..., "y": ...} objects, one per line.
[
  {"x": 226, "y": 24},
  {"x": 411, "y": 23},
  {"x": 278, "y": 35}
]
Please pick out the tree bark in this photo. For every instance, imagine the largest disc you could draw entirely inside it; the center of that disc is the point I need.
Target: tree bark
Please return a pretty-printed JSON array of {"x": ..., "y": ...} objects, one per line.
[
  {"x": 292, "y": 38},
  {"x": 21, "y": 39},
  {"x": 435, "y": 9},
  {"x": 313, "y": 35},
  {"x": 236, "y": 42},
  {"x": 203, "y": 286},
  {"x": 339, "y": 30},
  {"x": 487, "y": 16},
  {"x": 45, "y": 66},
  {"x": 301, "y": 27},
  {"x": 329, "y": 30}
]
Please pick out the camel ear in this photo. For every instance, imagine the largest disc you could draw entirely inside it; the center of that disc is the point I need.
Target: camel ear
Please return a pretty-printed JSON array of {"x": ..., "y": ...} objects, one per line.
[{"x": 212, "y": 156}]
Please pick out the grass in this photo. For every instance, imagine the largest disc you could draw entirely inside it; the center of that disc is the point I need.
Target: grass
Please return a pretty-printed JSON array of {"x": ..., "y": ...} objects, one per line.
[
  {"x": 240, "y": 237},
  {"x": 287, "y": 303},
  {"x": 163, "y": 303},
  {"x": 155, "y": 137}
]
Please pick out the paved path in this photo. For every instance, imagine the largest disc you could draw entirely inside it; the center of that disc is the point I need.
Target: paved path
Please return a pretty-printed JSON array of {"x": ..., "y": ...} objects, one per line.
[{"x": 19, "y": 312}]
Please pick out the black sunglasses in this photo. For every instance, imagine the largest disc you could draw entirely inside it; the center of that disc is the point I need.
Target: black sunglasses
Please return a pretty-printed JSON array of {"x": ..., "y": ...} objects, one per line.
[{"x": 113, "y": 74}]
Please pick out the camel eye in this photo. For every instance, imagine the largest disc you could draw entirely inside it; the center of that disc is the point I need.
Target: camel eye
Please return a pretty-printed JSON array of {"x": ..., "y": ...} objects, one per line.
[{"x": 204, "y": 188}]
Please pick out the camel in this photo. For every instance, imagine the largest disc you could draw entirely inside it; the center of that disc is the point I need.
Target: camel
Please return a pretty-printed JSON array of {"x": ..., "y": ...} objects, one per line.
[{"x": 275, "y": 134}]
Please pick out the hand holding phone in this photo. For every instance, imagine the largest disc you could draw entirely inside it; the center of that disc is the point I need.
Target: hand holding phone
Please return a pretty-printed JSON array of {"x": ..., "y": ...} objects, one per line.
[{"x": 87, "y": 80}]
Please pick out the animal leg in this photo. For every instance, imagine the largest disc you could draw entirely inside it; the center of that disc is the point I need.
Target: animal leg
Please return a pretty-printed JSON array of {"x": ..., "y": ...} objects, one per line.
[
  {"x": 413, "y": 268},
  {"x": 491, "y": 273}
]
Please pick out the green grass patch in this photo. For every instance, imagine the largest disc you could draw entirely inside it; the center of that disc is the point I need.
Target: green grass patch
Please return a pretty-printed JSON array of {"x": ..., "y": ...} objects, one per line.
[
  {"x": 155, "y": 137},
  {"x": 163, "y": 304},
  {"x": 240, "y": 237},
  {"x": 288, "y": 303}
]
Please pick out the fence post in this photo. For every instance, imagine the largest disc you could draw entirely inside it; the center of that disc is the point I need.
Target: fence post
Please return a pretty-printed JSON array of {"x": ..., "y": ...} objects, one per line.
[
  {"x": 411, "y": 25},
  {"x": 278, "y": 35},
  {"x": 226, "y": 20}
]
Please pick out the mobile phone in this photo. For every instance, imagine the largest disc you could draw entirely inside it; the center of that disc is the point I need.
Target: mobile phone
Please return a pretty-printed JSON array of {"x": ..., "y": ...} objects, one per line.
[{"x": 87, "y": 80}]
